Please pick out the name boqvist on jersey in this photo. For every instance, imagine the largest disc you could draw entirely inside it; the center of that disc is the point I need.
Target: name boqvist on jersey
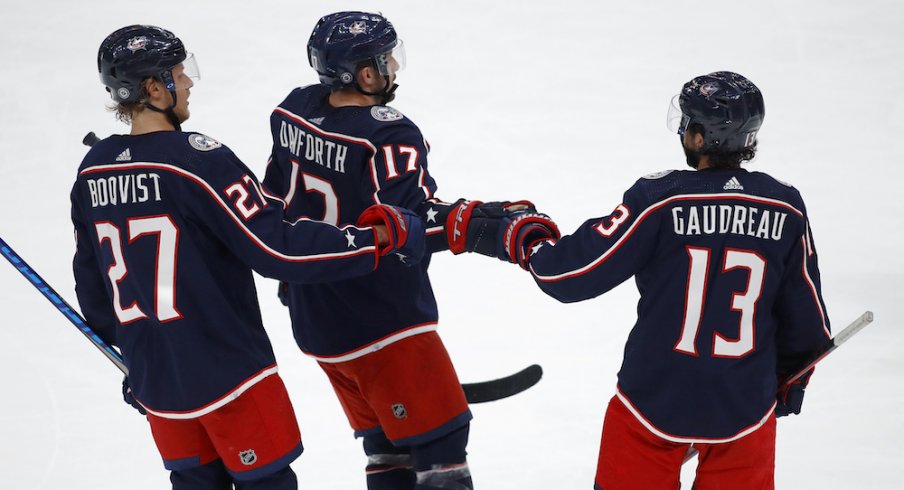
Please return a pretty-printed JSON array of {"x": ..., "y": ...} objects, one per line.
[{"x": 124, "y": 189}]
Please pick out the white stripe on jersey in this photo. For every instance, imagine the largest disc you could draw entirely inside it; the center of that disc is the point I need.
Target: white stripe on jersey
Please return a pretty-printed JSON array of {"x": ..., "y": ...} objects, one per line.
[
  {"x": 377, "y": 344},
  {"x": 220, "y": 402},
  {"x": 691, "y": 440},
  {"x": 643, "y": 215},
  {"x": 806, "y": 273},
  {"x": 210, "y": 190}
]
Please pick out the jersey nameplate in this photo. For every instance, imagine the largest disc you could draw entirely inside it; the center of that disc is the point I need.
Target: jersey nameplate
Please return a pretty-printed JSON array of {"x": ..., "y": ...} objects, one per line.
[
  {"x": 201, "y": 142},
  {"x": 383, "y": 113}
]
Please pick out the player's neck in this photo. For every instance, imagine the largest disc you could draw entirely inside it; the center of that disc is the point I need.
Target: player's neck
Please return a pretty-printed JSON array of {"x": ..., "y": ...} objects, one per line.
[
  {"x": 350, "y": 97},
  {"x": 147, "y": 121},
  {"x": 703, "y": 163}
]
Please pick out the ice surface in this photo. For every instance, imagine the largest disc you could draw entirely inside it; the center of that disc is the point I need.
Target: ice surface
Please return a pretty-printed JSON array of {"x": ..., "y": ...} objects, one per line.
[{"x": 561, "y": 102}]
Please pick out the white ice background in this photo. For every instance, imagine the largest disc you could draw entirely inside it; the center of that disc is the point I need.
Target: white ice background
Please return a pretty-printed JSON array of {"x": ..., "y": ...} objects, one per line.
[{"x": 560, "y": 102}]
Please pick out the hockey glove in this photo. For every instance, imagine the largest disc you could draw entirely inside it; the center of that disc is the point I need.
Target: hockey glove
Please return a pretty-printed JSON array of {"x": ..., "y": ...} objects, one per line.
[
  {"x": 475, "y": 226},
  {"x": 404, "y": 228},
  {"x": 791, "y": 397},
  {"x": 128, "y": 398},
  {"x": 523, "y": 232}
]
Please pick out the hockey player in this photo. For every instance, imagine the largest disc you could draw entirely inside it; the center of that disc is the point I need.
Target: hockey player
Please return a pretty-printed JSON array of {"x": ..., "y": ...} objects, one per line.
[
  {"x": 337, "y": 149},
  {"x": 730, "y": 301},
  {"x": 169, "y": 226}
]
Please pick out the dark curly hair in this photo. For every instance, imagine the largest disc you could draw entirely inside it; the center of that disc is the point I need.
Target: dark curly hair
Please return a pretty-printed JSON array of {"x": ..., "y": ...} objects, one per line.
[{"x": 725, "y": 159}]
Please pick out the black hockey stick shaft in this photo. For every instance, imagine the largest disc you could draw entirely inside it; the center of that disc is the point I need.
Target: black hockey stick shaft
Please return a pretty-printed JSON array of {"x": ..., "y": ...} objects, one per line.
[
  {"x": 61, "y": 305},
  {"x": 818, "y": 355},
  {"x": 485, "y": 391},
  {"x": 90, "y": 139},
  {"x": 497, "y": 389}
]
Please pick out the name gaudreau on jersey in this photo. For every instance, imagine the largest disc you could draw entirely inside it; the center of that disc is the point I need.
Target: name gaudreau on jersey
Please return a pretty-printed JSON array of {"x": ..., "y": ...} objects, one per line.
[{"x": 724, "y": 218}]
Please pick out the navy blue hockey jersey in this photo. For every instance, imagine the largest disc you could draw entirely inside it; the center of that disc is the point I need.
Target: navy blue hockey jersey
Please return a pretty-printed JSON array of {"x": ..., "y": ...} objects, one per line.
[
  {"x": 727, "y": 272},
  {"x": 332, "y": 163},
  {"x": 169, "y": 226}
]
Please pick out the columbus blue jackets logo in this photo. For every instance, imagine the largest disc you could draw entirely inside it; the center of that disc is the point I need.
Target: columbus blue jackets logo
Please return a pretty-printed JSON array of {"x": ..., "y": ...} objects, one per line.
[
  {"x": 248, "y": 457},
  {"x": 657, "y": 175},
  {"x": 709, "y": 88},
  {"x": 383, "y": 113},
  {"x": 357, "y": 27},
  {"x": 399, "y": 411},
  {"x": 201, "y": 142},
  {"x": 137, "y": 43}
]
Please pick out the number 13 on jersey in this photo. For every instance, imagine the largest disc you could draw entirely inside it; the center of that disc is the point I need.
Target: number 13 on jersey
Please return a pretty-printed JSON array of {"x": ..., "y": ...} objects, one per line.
[{"x": 743, "y": 302}]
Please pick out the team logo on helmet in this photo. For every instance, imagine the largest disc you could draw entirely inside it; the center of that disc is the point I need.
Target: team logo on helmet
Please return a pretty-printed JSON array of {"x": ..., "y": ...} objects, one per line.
[
  {"x": 346, "y": 77},
  {"x": 137, "y": 43},
  {"x": 201, "y": 142},
  {"x": 248, "y": 457},
  {"x": 123, "y": 93},
  {"x": 357, "y": 27},
  {"x": 383, "y": 113},
  {"x": 709, "y": 88},
  {"x": 399, "y": 411}
]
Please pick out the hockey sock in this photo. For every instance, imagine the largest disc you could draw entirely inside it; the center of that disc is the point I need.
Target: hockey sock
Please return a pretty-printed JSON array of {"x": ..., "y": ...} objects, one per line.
[{"x": 211, "y": 476}]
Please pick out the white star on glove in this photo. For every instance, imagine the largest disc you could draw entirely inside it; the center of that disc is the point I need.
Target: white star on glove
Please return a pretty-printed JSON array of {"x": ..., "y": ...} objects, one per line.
[
  {"x": 402, "y": 257},
  {"x": 431, "y": 215},
  {"x": 536, "y": 248},
  {"x": 350, "y": 238}
]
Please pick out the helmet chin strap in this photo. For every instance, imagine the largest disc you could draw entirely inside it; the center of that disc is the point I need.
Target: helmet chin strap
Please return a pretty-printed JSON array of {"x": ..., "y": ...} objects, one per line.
[
  {"x": 386, "y": 95},
  {"x": 168, "y": 112}
]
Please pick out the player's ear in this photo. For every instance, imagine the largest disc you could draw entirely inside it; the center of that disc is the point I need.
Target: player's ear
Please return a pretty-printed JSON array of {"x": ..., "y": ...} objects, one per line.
[
  {"x": 153, "y": 88},
  {"x": 367, "y": 76},
  {"x": 697, "y": 140}
]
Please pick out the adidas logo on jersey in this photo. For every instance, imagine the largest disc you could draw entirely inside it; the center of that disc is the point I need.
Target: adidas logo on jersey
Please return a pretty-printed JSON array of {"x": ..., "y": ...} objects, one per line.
[
  {"x": 733, "y": 185},
  {"x": 125, "y": 156},
  {"x": 317, "y": 120}
]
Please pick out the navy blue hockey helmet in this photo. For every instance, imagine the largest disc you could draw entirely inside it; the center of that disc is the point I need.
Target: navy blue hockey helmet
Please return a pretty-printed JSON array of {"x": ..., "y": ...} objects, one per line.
[
  {"x": 727, "y": 105},
  {"x": 343, "y": 41},
  {"x": 134, "y": 53}
]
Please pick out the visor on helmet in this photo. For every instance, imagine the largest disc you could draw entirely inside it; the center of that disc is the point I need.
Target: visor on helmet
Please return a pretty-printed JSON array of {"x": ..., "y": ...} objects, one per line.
[
  {"x": 189, "y": 75},
  {"x": 391, "y": 62},
  {"x": 676, "y": 120},
  {"x": 190, "y": 67}
]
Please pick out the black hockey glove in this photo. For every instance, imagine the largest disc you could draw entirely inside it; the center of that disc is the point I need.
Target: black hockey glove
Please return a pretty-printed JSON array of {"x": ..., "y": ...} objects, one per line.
[
  {"x": 405, "y": 229},
  {"x": 791, "y": 398},
  {"x": 128, "y": 398},
  {"x": 475, "y": 226}
]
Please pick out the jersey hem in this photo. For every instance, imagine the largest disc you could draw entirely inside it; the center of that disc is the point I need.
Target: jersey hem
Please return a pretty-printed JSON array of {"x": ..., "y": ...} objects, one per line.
[
  {"x": 218, "y": 403},
  {"x": 690, "y": 440},
  {"x": 377, "y": 344}
]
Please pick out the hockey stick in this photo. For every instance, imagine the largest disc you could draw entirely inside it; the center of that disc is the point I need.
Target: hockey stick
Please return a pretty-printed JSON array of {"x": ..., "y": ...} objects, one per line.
[
  {"x": 497, "y": 389},
  {"x": 818, "y": 355},
  {"x": 70, "y": 313}
]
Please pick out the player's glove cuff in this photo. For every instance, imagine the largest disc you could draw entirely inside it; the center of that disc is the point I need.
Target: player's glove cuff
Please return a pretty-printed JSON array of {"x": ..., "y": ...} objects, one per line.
[{"x": 524, "y": 232}]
